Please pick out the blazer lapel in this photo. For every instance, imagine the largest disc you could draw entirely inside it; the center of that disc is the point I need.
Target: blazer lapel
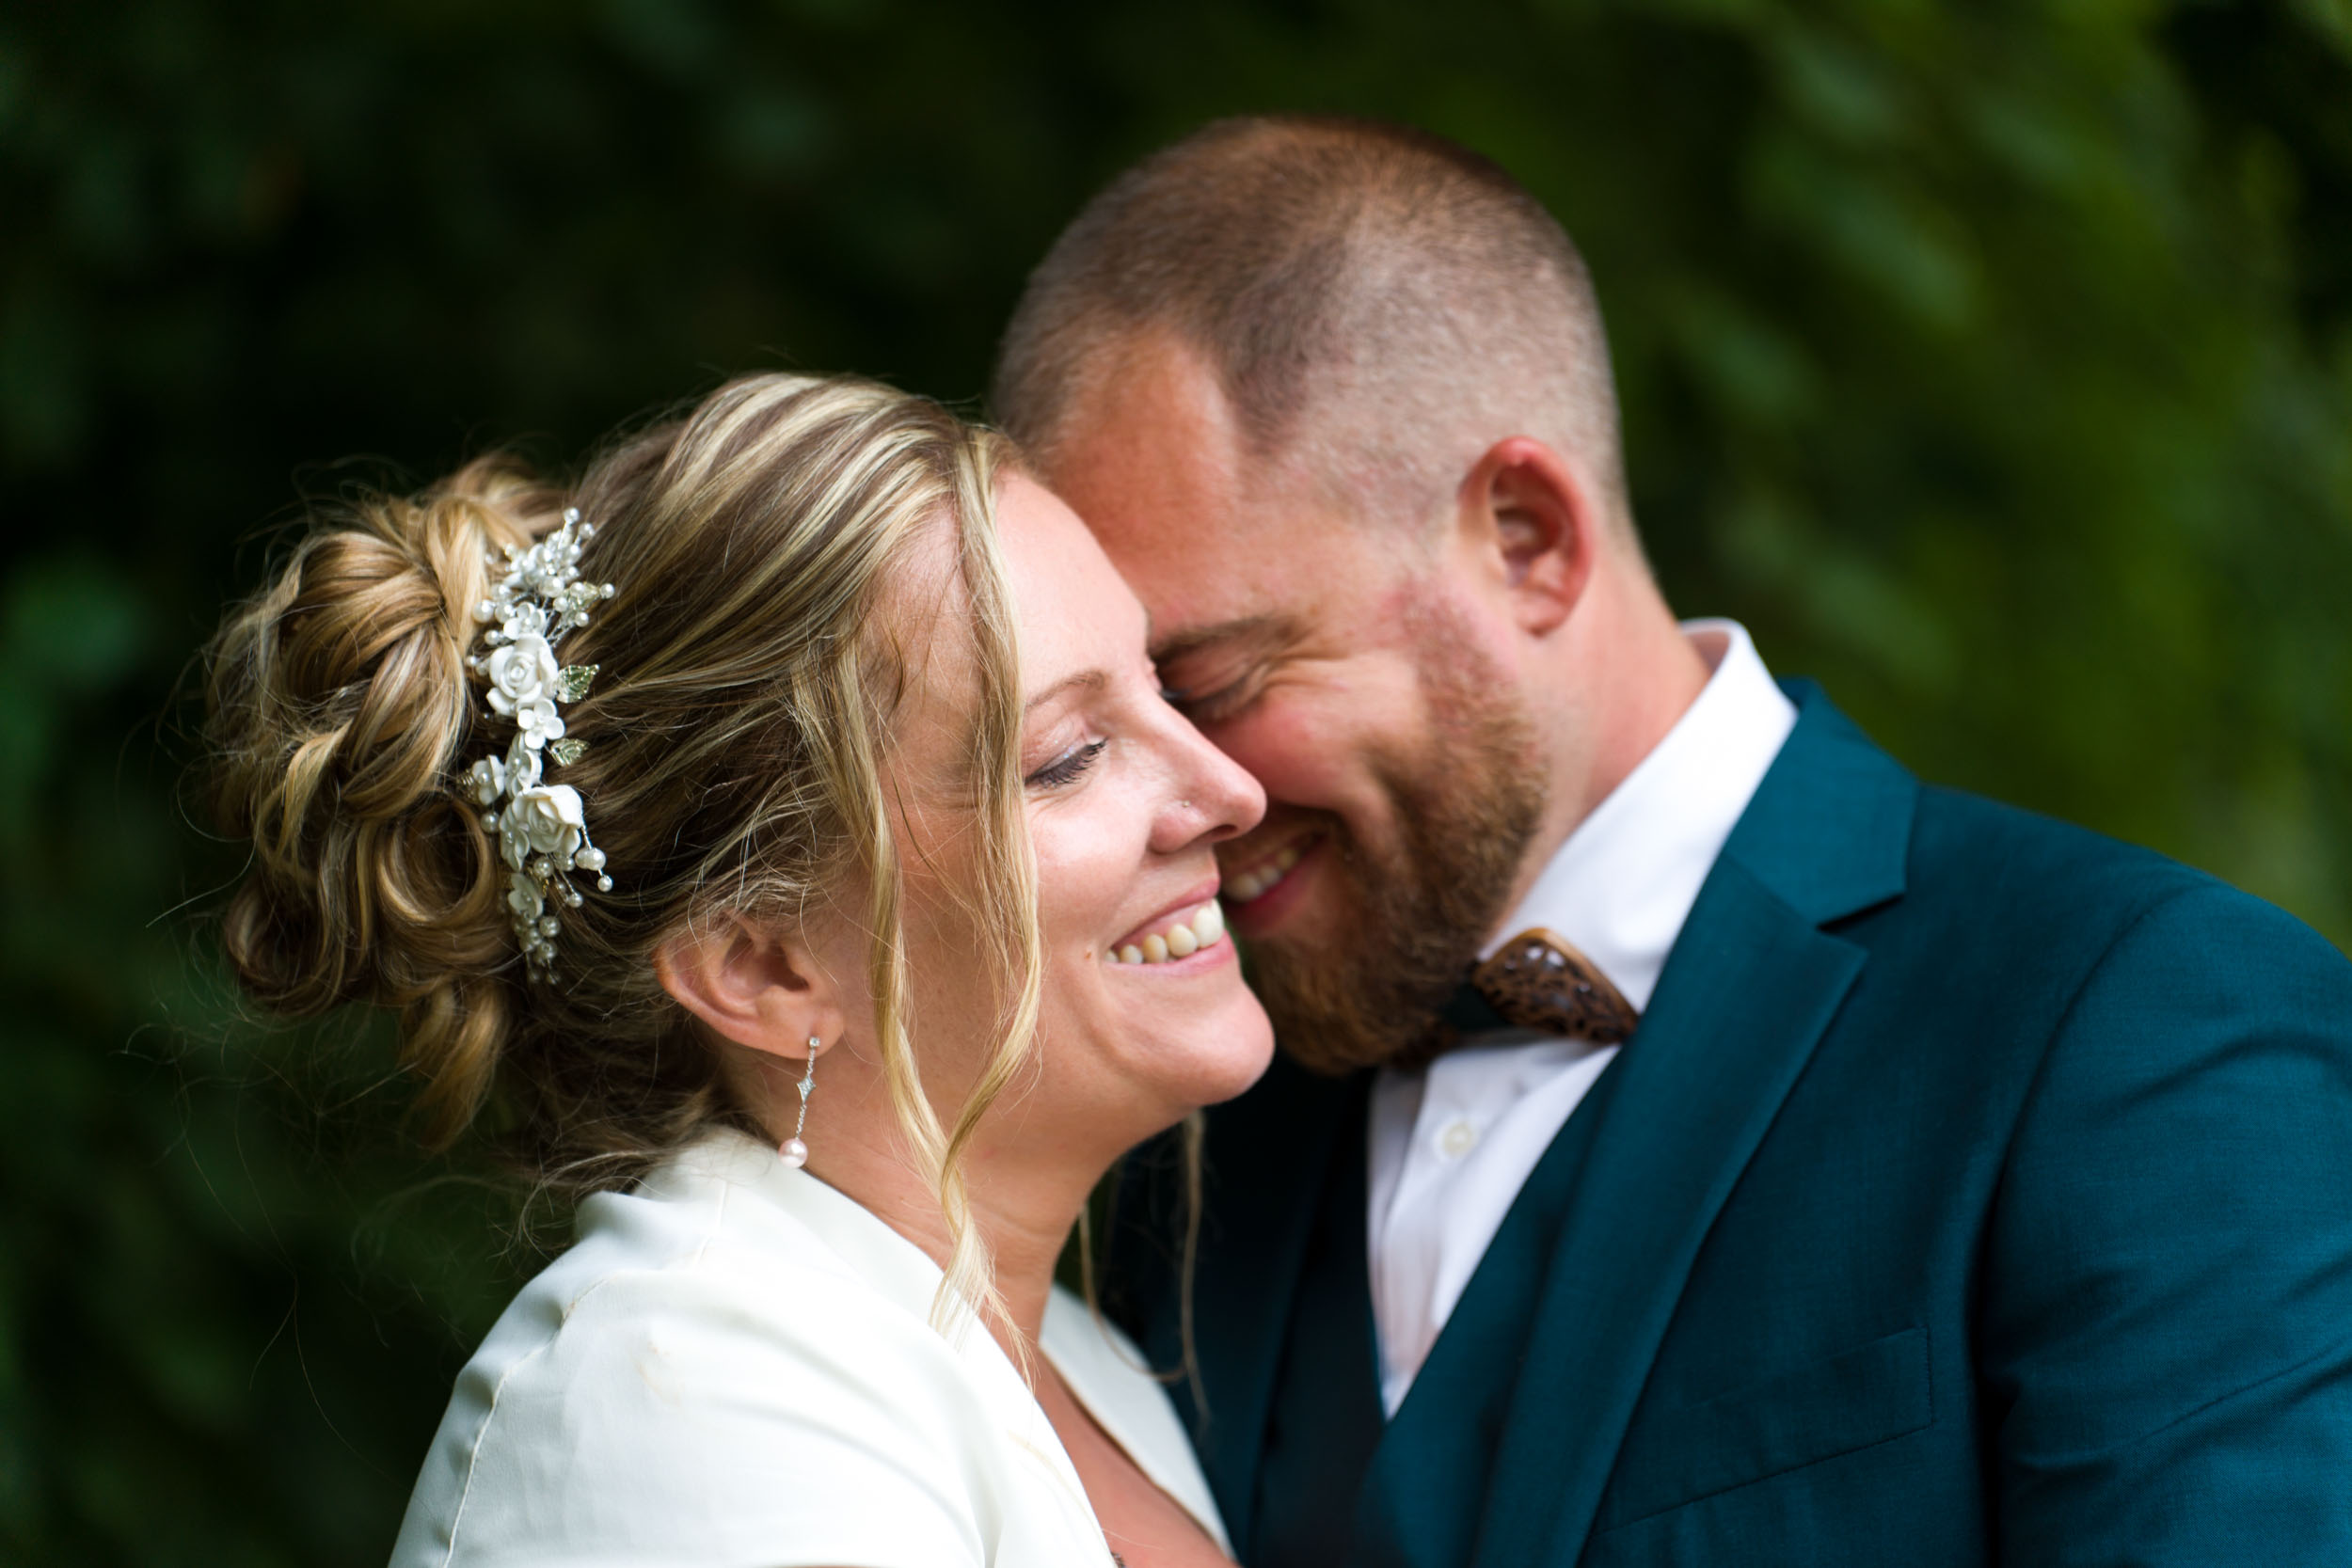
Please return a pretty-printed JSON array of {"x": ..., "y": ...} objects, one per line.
[
  {"x": 1266, "y": 1163},
  {"x": 1750, "y": 987}
]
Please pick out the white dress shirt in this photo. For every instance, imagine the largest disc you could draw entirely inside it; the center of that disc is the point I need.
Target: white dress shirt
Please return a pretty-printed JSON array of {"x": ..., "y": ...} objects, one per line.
[
  {"x": 736, "y": 1365},
  {"x": 1452, "y": 1144}
]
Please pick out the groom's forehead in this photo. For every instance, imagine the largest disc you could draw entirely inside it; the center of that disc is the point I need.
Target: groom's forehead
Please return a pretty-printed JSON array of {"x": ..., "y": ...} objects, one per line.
[
  {"x": 1222, "y": 543},
  {"x": 1173, "y": 498},
  {"x": 1242, "y": 571},
  {"x": 1153, "y": 441}
]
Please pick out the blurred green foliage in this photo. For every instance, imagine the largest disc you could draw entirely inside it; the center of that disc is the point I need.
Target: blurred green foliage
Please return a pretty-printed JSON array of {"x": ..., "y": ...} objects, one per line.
[{"x": 1993, "y": 361}]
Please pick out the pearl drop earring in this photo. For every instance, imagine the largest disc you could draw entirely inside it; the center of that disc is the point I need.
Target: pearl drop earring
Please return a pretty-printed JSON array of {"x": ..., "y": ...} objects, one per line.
[{"x": 795, "y": 1152}]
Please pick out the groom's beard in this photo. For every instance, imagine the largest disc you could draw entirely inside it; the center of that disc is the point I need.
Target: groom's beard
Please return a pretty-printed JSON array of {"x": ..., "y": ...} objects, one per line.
[{"x": 1414, "y": 912}]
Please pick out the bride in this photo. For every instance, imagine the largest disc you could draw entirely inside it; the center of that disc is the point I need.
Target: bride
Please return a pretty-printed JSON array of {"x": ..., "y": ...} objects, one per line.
[{"x": 779, "y": 836}]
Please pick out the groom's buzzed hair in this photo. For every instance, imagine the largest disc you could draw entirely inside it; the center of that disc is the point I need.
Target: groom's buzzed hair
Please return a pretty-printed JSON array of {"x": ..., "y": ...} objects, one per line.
[{"x": 1372, "y": 294}]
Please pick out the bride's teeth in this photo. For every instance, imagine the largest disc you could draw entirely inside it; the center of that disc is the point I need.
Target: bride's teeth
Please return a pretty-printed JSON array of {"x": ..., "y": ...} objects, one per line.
[
  {"x": 1208, "y": 922},
  {"x": 1204, "y": 927},
  {"x": 1288, "y": 858}
]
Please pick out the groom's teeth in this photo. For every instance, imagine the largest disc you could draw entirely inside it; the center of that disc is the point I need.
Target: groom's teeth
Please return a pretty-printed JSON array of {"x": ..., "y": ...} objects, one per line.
[
  {"x": 1255, "y": 880},
  {"x": 1184, "y": 937}
]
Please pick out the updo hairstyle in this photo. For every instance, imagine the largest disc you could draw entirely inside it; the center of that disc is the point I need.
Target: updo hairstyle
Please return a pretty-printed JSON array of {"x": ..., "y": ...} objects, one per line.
[{"x": 750, "y": 672}]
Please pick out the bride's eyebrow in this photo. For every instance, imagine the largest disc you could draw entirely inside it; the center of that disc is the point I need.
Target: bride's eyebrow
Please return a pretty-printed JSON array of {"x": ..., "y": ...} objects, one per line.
[{"x": 1085, "y": 680}]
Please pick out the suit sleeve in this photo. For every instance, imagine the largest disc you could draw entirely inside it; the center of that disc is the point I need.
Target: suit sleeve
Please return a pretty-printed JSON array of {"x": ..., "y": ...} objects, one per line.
[{"x": 2167, "y": 1318}]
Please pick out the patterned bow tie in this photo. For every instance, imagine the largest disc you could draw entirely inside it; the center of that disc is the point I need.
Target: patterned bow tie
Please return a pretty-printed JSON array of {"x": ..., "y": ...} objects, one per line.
[{"x": 1538, "y": 981}]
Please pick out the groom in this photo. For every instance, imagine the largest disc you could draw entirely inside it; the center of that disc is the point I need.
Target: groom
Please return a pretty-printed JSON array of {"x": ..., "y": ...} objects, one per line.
[{"x": 1815, "y": 1167}]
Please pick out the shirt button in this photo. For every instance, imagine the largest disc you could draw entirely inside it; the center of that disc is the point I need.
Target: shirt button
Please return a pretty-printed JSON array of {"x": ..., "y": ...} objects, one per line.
[{"x": 1456, "y": 1138}]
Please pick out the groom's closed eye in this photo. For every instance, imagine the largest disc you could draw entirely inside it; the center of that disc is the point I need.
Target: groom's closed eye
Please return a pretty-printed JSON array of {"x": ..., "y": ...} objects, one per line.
[
  {"x": 1206, "y": 704},
  {"x": 1212, "y": 673}
]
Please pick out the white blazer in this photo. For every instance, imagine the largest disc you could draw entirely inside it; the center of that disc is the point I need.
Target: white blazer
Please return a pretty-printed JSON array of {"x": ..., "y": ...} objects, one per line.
[{"x": 735, "y": 1365}]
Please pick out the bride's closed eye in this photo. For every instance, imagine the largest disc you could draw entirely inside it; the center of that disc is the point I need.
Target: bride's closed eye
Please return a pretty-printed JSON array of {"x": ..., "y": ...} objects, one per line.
[{"x": 1066, "y": 768}]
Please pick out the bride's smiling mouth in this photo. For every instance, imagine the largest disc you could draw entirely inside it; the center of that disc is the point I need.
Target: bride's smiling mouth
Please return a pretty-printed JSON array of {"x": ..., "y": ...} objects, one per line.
[{"x": 1174, "y": 935}]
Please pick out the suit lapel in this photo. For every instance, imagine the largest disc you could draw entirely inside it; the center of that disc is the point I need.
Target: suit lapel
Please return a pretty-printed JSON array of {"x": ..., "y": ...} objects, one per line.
[
  {"x": 1323, "y": 1420},
  {"x": 1265, "y": 1163},
  {"x": 1748, "y": 992}
]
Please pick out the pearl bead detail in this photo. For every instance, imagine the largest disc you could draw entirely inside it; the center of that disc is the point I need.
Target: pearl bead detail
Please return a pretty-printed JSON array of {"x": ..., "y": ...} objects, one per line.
[{"x": 792, "y": 1151}]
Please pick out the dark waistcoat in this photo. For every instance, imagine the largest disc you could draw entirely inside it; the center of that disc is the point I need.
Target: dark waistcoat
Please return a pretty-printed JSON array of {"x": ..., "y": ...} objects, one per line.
[{"x": 1325, "y": 1437}]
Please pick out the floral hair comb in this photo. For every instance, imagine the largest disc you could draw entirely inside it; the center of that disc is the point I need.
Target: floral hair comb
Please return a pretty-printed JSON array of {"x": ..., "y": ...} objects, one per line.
[{"x": 542, "y": 829}]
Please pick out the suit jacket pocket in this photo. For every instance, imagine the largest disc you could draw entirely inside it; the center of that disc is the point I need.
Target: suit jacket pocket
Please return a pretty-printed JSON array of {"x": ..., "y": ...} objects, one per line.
[{"x": 1817, "y": 1411}]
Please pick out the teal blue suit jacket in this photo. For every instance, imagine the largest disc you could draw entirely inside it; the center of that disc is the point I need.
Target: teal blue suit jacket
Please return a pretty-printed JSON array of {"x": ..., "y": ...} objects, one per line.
[{"x": 1974, "y": 1190}]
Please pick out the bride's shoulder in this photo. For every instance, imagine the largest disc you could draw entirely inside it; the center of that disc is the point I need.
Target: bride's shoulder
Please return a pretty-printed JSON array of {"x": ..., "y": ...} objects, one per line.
[
  {"x": 719, "y": 1263},
  {"x": 713, "y": 1323}
]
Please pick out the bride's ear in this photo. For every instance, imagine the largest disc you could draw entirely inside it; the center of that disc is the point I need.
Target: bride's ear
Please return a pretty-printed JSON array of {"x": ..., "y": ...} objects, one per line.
[{"x": 754, "y": 985}]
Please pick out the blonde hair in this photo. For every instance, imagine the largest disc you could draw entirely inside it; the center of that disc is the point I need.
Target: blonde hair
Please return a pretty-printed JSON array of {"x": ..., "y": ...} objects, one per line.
[{"x": 736, "y": 735}]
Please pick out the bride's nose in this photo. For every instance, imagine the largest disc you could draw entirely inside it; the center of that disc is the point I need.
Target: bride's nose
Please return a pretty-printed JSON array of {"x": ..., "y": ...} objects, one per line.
[{"x": 1210, "y": 796}]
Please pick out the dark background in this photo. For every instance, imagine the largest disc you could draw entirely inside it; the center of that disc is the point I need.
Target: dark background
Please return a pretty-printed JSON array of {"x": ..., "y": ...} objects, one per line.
[{"x": 1992, "y": 361}]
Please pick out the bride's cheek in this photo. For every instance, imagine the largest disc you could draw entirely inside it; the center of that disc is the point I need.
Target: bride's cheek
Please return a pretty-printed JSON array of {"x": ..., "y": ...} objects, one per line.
[{"x": 1068, "y": 903}]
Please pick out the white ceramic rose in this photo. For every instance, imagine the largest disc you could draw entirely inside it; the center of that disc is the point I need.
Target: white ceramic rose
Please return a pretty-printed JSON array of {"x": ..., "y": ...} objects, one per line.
[
  {"x": 550, "y": 818},
  {"x": 521, "y": 673}
]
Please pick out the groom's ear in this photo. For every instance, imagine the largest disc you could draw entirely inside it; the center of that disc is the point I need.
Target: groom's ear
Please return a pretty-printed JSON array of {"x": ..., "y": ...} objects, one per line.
[
  {"x": 1534, "y": 526},
  {"x": 752, "y": 984}
]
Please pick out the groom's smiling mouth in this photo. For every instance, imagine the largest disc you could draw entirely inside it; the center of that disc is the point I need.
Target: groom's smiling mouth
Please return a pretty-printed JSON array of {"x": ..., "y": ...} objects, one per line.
[{"x": 1246, "y": 884}]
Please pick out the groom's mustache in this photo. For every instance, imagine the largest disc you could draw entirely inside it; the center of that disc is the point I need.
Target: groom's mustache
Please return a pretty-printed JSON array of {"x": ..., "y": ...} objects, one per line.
[{"x": 1356, "y": 978}]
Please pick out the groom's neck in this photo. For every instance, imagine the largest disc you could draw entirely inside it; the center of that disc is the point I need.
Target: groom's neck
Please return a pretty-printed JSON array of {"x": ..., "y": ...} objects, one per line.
[{"x": 1606, "y": 689}]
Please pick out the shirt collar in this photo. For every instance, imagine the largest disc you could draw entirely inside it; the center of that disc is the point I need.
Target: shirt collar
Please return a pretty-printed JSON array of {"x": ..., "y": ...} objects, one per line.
[{"x": 1622, "y": 885}]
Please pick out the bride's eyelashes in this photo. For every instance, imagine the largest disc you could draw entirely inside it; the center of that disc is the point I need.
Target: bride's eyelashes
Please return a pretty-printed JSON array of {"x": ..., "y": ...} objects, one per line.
[{"x": 1066, "y": 768}]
